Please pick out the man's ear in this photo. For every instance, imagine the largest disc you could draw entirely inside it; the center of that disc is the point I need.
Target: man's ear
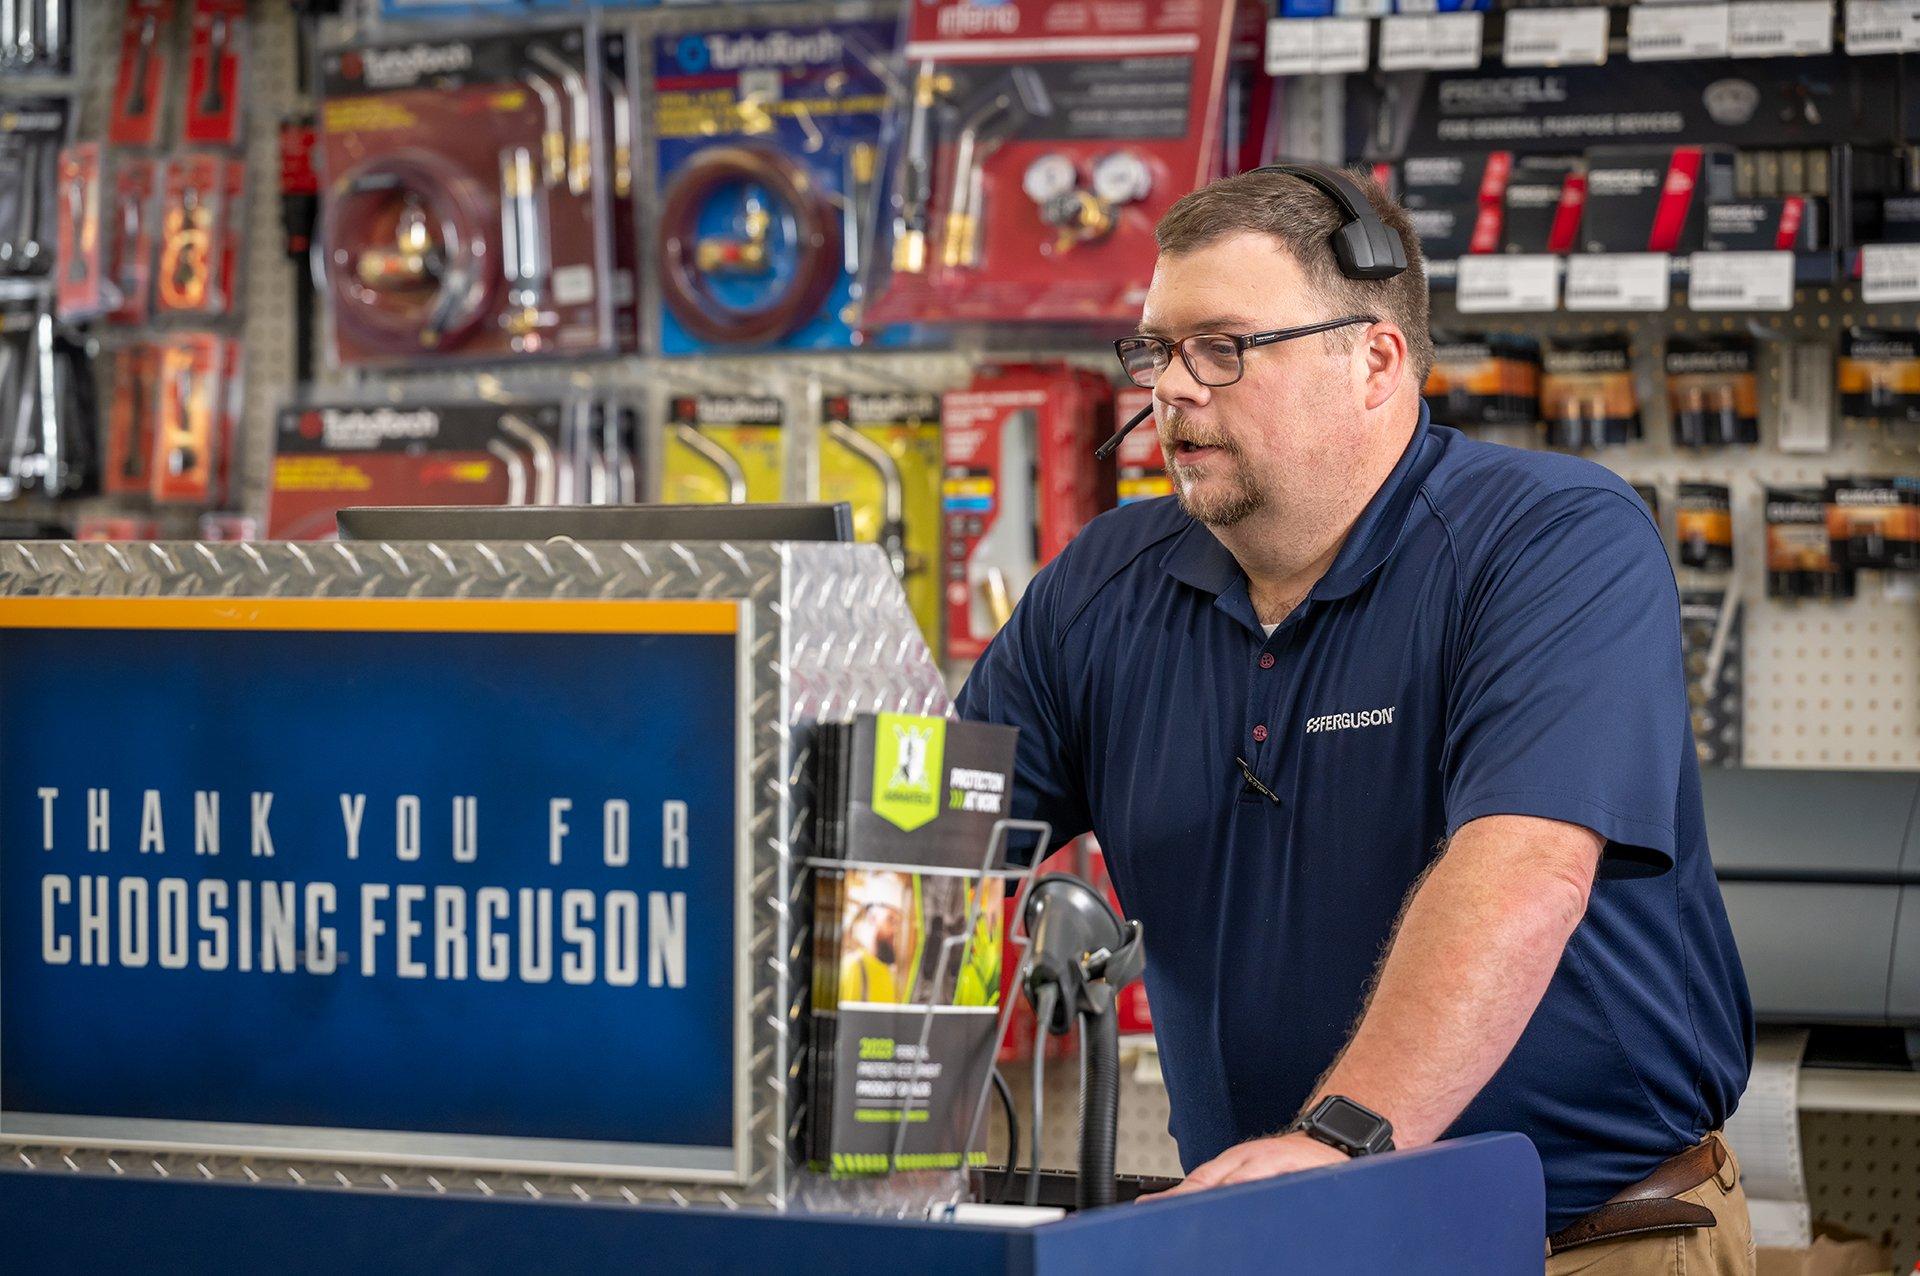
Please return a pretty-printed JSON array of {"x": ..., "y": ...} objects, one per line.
[{"x": 1383, "y": 348}]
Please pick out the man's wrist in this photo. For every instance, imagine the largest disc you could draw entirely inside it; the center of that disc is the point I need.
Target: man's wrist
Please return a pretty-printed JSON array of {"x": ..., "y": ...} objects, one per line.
[{"x": 1346, "y": 1126}]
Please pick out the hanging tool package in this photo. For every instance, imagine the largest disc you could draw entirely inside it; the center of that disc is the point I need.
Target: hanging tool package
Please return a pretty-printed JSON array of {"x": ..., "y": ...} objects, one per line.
[
  {"x": 767, "y": 163},
  {"x": 463, "y": 214},
  {"x": 36, "y": 37},
  {"x": 47, "y": 410},
  {"x": 880, "y": 452},
  {"x": 723, "y": 449},
  {"x": 1028, "y": 168},
  {"x": 32, "y": 131}
]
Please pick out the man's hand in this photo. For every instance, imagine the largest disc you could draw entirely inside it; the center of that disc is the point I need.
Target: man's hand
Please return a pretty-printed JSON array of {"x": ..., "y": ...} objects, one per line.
[{"x": 1259, "y": 1159}]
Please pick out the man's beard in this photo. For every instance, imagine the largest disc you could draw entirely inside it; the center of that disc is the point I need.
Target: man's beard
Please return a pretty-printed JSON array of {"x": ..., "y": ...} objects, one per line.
[{"x": 1216, "y": 507}]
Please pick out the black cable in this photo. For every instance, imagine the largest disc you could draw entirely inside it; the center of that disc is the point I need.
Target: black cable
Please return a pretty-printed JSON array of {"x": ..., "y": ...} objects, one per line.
[
  {"x": 1099, "y": 1108},
  {"x": 1000, "y": 1087},
  {"x": 1042, "y": 1016}
]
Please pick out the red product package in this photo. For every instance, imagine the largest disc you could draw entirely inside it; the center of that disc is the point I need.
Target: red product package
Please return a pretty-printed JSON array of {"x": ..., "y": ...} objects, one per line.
[
  {"x": 1142, "y": 465},
  {"x": 216, "y": 73},
  {"x": 130, "y": 421},
  {"x": 194, "y": 228},
  {"x": 130, "y": 228},
  {"x": 193, "y": 412},
  {"x": 1021, "y": 190},
  {"x": 140, "y": 87},
  {"x": 80, "y": 285},
  {"x": 1020, "y": 481}
]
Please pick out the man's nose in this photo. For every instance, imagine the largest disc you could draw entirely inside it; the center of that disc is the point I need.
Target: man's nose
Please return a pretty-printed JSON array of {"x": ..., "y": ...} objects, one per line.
[{"x": 1177, "y": 388}]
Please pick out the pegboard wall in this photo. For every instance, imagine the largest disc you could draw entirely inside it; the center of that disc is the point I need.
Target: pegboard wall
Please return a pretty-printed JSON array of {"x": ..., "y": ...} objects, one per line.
[{"x": 1828, "y": 685}]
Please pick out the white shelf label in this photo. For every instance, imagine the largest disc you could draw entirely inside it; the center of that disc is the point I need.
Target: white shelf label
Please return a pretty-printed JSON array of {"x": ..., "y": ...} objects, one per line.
[
  {"x": 1889, "y": 272},
  {"x": 1618, "y": 281},
  {"x": 1659, "y": 33},
  {"x": 1431, "y": 41},
  {"x": 1316, "y": 46},
  {"x": 1883, "y": 26},
  {"x": 1740, "y": 281},
  {"x": 1780, "y": 28},
  {"x": 1555, "y": 37},
  {"x": 1504, "y": 284}
]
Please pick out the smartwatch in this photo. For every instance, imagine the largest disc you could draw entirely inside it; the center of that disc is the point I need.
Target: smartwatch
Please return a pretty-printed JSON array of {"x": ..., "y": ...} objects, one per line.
[{"x": 1341, "y": 1123}]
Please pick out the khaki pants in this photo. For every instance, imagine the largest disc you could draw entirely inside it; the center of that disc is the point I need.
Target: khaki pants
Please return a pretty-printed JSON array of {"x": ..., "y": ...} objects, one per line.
[{"x": 1723, "y": 1250}]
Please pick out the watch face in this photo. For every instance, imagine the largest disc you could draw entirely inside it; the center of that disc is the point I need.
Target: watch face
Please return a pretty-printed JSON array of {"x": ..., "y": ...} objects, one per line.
[
  {"x": 1048, "y": 178},
  {"x": 1348, "y": 1122},
  {"x": 1121, "y": 178}
]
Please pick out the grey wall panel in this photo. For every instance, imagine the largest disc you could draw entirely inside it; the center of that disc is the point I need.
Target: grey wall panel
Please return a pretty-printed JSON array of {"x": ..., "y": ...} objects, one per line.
[
  {"x": 1815, "y": 953},
  {"x": 1846, "y": 821}
]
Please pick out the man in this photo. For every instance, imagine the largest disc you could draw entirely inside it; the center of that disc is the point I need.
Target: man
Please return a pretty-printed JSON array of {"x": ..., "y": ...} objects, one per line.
[{"x": 1385, "y": 734}]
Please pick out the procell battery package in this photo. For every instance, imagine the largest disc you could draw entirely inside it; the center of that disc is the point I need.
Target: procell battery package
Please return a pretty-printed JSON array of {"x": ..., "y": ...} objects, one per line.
[
  {"x": 1485, "y": 379},
  {"x": 1879, "y": 376},
  {"x": 1703, "y": 526},
  {"x": 1800, "y": 561},
  {"x": 1587, "y": 397},
  {"x": 1713, "y": 393},
  {"x": 1874, "y": 523}
]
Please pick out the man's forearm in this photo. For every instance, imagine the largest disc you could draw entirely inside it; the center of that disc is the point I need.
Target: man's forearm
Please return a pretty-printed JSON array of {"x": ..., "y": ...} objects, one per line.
[{"x": 1470, "y": 960}]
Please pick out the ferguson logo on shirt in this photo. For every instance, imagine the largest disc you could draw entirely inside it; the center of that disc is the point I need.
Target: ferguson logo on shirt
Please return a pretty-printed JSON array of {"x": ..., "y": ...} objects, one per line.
[{"x": 1348, "y": 721}]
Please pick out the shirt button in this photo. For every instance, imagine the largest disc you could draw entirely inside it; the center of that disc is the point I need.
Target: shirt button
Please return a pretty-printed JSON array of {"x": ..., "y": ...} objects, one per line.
[
  {"x": 1260, "y": 734},
  {"x": 1266, "y": 660}
]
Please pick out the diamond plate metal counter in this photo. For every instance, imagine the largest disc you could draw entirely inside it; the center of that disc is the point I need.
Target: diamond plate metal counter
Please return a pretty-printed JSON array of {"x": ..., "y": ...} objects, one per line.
[{"x": 830, "y": 635}]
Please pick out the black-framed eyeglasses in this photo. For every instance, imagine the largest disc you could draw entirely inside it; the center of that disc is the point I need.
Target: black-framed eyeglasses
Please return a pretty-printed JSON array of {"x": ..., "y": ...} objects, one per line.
[{"x": 1214, "y": 358}]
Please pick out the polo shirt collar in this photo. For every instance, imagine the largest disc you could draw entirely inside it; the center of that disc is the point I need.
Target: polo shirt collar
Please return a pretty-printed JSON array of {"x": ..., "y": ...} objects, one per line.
[{"x": 1197, "y": 557}]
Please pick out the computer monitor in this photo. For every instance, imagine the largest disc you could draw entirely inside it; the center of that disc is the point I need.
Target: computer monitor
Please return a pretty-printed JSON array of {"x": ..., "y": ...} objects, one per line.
[{"x": 769, "y": 522}]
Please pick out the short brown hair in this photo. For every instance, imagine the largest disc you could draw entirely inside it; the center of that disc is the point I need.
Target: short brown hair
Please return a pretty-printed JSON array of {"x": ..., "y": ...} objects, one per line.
[{"x": 1303, "y": 219}]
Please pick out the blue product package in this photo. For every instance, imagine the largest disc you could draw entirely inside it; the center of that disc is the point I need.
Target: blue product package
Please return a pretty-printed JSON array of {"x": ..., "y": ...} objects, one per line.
[{"x": 769, "y": 183}]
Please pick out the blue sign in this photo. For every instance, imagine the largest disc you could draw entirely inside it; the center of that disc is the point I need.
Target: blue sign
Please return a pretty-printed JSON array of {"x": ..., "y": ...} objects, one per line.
[{"x": 397, "y": 878}]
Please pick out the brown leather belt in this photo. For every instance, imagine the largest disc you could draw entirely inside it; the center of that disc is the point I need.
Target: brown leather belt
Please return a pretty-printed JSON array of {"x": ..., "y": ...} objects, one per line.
[{"x": 1649, "y": 1206}]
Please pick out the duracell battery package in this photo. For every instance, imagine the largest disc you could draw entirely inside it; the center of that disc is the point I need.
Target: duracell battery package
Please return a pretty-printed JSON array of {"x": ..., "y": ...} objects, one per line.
[
  {"x": 464, "y": 215},
  {"x": 1650, "y": 497},
  {"x": 1800, "y": 560},
  {"x": 1712, "y": 392},
  {"x": 1879, "y": 376},
  {"x": 1587, "y": 397},
  {"x": 418, "y": 453},
  {"x": 1644, "y": 199},
  {"x": 1484, "y": 379},
  {"x": 1874, "y": 523},
  {"x": 1703, "y": 526}
]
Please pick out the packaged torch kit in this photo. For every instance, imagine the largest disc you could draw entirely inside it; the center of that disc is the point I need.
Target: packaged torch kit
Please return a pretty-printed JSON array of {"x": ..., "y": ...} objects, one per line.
[
  {"x": 1712, "y": 390},
  {"x": 1800, "y": 562},
  {"x": 768, "y": 170},
  {"x": 1040, "y": 142},
  {"x": 463, "y": 214},
  {"x": 881, "y": 454},
  {"x": 336, "y": 454},
  {"x": 724, "y": 449},
  {"x": 1141, "y": 467},
  {"x": 1485, "y": 379},
  {"x": 1879, "y": 376},
  {"x": 1021, "y": 480},
  {"x": 1587, "y": 398}
]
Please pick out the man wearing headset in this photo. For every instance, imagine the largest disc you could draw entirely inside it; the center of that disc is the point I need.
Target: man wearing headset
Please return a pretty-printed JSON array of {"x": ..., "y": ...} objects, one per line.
[{"x": 1385, "y": 734}]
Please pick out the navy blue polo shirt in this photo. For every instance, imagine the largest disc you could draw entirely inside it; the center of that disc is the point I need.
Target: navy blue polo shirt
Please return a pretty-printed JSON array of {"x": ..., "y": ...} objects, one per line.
[{"x": 1499, "y": 634}]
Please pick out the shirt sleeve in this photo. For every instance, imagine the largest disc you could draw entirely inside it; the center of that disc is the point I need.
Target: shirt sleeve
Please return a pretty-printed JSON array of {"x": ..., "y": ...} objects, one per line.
[
  {"x": 1018, "y": 683},
  {"x": 1569, "y": 696}
]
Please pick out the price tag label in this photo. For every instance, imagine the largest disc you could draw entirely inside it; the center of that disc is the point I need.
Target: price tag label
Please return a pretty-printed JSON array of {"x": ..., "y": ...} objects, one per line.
[
  {"x": 1889, "y": 272},
  {"x": 1317, "y": 46},
  {"x": 1661, "y": 33},
  {"x": 1555, "y": 37},
  {"x": 1431, "y": 41},
  {"x": 1740, "y": 281},
  {"x": 1618, "y": 281},
  {"x": 1505, "y": 284},
  {"x": 1780, "y": 28},
  {"x": 1883, "y": 26}
]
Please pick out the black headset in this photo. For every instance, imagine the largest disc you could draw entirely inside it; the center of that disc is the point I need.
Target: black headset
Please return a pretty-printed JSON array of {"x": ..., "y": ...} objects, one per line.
[{"x": 1365, "y": 246}]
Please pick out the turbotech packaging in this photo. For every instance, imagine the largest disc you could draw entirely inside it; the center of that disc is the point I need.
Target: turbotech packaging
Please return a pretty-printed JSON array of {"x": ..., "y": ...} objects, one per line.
[
  {"x": 1040, "y": 142},
  {"x": 769, "y": 178}
]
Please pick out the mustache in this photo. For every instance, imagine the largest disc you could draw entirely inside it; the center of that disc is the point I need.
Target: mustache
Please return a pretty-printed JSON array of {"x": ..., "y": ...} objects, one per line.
[{"x": 1177, "y": 428}]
